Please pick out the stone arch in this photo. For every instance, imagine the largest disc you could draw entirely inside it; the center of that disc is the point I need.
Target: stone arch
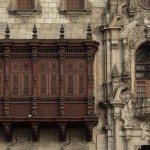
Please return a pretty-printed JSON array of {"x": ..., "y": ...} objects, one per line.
[
  {"x": 133, "y": 50},
  {"x": 142, "y": 71}
]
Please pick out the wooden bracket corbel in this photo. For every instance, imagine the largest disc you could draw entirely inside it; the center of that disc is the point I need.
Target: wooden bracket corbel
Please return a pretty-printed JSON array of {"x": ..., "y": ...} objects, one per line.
[
  {"x": 89, "y": 131},
  {"x": 35, "y": 131},
  {"x": 8, "y": 131},
  {"x": 62, "y": 131}
]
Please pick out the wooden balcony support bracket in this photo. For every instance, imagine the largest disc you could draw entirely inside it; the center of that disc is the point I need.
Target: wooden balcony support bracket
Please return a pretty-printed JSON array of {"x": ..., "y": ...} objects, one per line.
[
  {"x": 62, "y": 128},
  {"x": 8, "y": 131},
  {"x": 89, "y": 131},
  {"x": 35, "y": 131}
]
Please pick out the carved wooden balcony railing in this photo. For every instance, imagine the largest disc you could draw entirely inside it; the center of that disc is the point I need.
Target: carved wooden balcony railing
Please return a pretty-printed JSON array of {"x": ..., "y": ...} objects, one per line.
[{"x": 47, "y": 81}]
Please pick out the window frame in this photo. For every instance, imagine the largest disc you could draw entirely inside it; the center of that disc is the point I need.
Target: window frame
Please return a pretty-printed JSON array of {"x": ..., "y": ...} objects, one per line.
[
  {"x": 12, "y": 9},
  {"x": 26, "y": 9},
  {"x": 143, "y": 6},
  {"x": 75, "y": 9},
  {"x": 62, "y": 8},
  {"x": 142, "y": 71}
]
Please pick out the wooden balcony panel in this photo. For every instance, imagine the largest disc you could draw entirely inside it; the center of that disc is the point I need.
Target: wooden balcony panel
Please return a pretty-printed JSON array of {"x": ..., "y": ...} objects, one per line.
[
  {"x": 73, "y": 109},
  {"x": 47, "y": 109},
  {"x": 19, "y": 109}
]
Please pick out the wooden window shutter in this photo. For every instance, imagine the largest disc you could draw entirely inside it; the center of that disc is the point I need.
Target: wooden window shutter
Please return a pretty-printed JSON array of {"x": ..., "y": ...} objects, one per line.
[
  {"x": 25, "y": 4},
  {"x": 74, "y": 4}
]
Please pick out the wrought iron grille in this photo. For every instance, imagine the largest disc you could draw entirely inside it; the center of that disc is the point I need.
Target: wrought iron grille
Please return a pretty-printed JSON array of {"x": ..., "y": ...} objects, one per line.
[{"x": 143, "y": 71}]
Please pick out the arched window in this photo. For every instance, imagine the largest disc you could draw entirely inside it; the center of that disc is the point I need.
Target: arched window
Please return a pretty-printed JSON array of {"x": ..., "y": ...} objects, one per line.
[
  {"x": 145, "y": 3},
  {"x": 143, "y": 70}
]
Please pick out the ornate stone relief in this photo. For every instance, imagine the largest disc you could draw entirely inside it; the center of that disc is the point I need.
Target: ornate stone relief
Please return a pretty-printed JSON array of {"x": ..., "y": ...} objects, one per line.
[
  {"x": 137, "y": 147},
  {"x": 24, "y": 15},
  {"x": 75, "y": 144},
  {"x": 22, "y": 143},
  {"x": 119, "y": 18},
  {"x": 134, "y": 31}
]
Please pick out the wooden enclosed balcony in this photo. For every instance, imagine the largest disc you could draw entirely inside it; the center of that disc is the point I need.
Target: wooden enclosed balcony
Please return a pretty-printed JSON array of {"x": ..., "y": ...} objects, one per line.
[{"x": 45, "y": 81}]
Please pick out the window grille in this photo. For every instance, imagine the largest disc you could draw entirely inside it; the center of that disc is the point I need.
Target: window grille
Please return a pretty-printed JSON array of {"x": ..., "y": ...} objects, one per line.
[
  {"x": 74, "y": 4},
  {"x": 25, "y": 4},
  {"x": 143, "y": 71}
]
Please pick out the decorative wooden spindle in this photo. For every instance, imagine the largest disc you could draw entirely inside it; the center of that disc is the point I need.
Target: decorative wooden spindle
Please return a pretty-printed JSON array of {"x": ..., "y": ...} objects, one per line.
[
  {"x": 89, "y": 32},
  {"x": 7, "y": 31},
  {"x": 62, "y": 32},
  {"x": 34, "y": 36}
]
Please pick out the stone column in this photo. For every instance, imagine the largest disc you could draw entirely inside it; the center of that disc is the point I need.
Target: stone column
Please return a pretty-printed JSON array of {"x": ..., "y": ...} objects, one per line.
[
  {"x": 117, "y": 108},
  {"x": 128, "y": 136}
]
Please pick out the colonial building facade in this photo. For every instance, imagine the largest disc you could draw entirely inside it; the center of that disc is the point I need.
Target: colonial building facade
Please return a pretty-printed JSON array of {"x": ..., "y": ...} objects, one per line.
[{"x": 74, "y": 74}]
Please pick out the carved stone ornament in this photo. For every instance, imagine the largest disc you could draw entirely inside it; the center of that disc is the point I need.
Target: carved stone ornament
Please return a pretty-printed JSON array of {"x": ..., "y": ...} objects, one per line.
[
  {"x": 22, "y": 143},
  {"x": 74, "y": 13},
  {"x": 24, "y": 15},
  {"x": 76, "y": 144},
  {"x": 118, "y": 97},
  {"x": 134, "y": 32},
  {"x": 119, "y": 17},
  {"x": 137, "y": 147}
]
